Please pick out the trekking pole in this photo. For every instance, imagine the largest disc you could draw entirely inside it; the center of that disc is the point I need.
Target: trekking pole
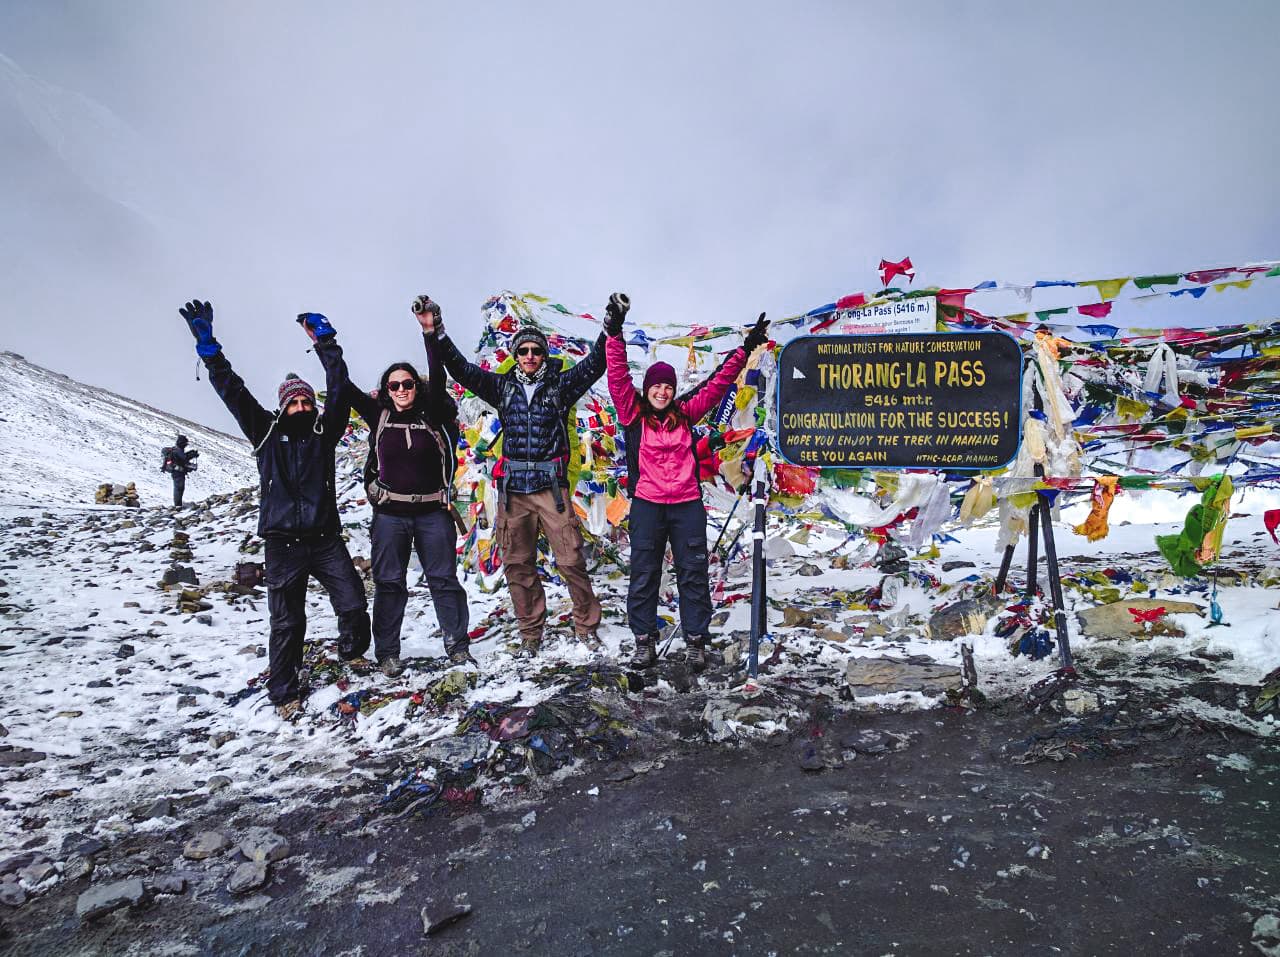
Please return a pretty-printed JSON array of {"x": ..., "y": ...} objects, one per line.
[
  {"x": 759, "y": 605},
  {"x": 727, "y": 519}
]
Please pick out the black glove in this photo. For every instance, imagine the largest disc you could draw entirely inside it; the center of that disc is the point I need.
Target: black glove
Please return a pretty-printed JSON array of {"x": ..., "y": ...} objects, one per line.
[
  {"x": 423, "y": 305},
  {"x": 757, "y": 336},
  {"x": 615, "y": 312},
  {"x": 199, "y": 316}
]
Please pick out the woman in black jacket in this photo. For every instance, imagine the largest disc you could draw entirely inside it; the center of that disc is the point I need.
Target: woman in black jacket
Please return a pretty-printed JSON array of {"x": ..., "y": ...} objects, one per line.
[{"x": 413, "y": 435}]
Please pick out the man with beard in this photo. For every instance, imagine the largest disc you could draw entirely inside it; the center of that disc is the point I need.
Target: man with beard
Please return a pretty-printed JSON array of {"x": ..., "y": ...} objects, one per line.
[{"x": 297, "y": 509}]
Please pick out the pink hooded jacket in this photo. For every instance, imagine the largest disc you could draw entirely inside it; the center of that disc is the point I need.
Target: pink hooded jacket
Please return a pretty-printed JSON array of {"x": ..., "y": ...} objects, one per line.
[{"x": 669, "y": 472}]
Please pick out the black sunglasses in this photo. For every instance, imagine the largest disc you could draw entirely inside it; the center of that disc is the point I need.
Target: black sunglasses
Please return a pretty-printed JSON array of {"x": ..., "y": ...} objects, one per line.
[
  {"x": 405, "y": 385},
  {"x": 529, "y": 351}
]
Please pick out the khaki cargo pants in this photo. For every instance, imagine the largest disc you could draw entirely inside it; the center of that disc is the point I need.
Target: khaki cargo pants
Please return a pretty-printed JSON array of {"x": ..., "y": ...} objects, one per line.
[{"x": 516, "y": 532}]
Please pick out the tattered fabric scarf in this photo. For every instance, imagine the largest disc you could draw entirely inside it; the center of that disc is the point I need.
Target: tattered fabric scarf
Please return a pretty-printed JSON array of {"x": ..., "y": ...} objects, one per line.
[{"x": 1104, "y": 492}]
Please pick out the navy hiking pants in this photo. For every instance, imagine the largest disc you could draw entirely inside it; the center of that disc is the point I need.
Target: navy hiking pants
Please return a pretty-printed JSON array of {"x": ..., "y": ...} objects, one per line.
[
  {"x": 435, "y": 538},
  {"x": 684, "y": 526}
]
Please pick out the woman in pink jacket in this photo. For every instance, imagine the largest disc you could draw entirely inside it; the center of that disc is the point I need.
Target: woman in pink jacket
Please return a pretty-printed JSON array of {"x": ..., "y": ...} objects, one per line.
[{"x": 663, "y": 480}]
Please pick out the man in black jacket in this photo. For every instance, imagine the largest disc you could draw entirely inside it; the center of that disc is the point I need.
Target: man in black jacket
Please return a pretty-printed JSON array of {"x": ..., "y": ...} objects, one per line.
[
  {"x": 533, "y": 400},
  {"x": 297, "y": 509},
  {"x": 178, "y": 461}
]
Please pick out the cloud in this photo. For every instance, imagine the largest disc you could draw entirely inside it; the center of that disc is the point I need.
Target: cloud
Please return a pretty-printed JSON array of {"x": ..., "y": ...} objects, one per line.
[{"x": 712, "y": 160}]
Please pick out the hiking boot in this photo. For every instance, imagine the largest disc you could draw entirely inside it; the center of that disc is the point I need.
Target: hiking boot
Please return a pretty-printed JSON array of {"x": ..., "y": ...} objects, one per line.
[
  {"x": 646, "y": 655},
  {"x": 592, "y": 641},
  {"x": 391, "y": 666},
  {"x": 529, "y": 647},
  {"x": 289, "y": 710},
  {"x": 459, "y": 652},
  {"x": 695, "y": 655}
]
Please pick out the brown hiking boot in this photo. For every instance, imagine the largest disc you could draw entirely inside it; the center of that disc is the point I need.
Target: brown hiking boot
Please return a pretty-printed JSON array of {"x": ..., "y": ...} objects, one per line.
[
  {"x": 289, "y": 710},
  {"x": 646, "y": 655},
  {"x": 695, "y": 655},
  {"x": 591, "y": 640},
  {"x": 529, "y": 647}
]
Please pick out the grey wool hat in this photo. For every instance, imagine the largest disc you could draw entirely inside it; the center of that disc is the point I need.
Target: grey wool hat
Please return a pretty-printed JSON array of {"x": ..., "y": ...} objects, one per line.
[{"x": 529, "y": 334}]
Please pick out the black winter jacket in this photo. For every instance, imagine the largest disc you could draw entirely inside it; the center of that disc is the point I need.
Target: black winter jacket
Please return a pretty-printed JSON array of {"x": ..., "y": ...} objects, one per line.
[
  {"x": 438, "y": 413},
  {"x": 531, "y": 432},
  {"x": 295, "y": 473}
]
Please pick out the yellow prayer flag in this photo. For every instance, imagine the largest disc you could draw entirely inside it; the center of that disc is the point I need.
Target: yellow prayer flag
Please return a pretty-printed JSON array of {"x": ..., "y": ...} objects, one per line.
[
  {"x": 1131, "y": 410},
  {"x": 1107, "y": 288},
  {"x": 1023, "y": 499}
]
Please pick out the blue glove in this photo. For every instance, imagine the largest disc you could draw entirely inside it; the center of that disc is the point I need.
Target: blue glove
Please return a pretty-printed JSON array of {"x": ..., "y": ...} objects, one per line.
[
  {"x": 316, "y": 325},
  {"x": 199, "y": 316}
]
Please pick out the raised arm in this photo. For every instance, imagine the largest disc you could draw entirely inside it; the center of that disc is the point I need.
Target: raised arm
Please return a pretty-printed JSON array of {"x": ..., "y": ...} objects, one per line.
[
  {"x": 709, "y": 394},
  {"x": 621, "y": 388},
  {"x": 337, "y": 402},
  {"x": 575, "y": 382},
  {"x": 487, "y": 385},
  {"x": 335, "y": 370},
  {"x": 253, "y": 419},
  {"x": 440, "y": 405}
]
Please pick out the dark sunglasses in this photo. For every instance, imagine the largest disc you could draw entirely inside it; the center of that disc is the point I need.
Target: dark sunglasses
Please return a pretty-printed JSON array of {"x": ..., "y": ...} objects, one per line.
[
  {"x": 529, "y": 351},
  {"x": 406, "y": 385}
]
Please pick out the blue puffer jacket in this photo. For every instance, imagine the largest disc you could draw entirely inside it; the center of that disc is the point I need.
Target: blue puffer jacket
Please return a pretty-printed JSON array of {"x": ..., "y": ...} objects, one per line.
[
  {"x": 295, "y": 464},
  {"x": 531, "y": 431}
]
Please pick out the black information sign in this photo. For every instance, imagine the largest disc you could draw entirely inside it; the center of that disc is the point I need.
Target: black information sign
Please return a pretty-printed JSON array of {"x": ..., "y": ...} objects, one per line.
[{"x": 947, "y": 401}]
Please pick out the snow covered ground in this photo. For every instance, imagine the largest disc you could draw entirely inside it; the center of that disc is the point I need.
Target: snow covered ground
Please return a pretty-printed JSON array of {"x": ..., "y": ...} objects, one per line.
[
  {"x": 60, "y": 439},
  {"x": 130, "y": 699}
]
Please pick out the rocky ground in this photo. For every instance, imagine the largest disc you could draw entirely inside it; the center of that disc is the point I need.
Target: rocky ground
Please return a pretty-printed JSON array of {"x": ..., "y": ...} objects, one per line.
[
  {"x": 925, "y": 833},
  {"x": 861, "y": 796}
]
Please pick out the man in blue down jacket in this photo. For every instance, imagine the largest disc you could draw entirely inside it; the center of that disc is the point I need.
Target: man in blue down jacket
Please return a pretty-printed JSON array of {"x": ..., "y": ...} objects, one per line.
[
  {"x": 533, "y": 400},
  {"x": 297, "y": 509}
]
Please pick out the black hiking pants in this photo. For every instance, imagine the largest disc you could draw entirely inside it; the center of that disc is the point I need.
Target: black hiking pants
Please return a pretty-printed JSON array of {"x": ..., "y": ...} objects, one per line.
[
  {"x": 290, "y": 562},
  {"x": 684, "y": 526},
  {"x": 435, "y": 538},
  {"x": 179, "y": 486}
]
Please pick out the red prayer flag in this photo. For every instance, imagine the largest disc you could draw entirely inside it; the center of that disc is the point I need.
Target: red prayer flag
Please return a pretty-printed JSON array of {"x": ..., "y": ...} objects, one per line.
[
  {"x": 904, "y": 268},
  {"x": 1209, "y": 275},
  {"x": 1272, "y": 519},
  {"x": 1150, "y": 616},
  {"x": 1097, "y": 310}
]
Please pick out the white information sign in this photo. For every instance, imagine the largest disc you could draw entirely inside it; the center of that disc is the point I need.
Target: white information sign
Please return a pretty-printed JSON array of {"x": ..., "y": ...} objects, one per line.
[{"x": 904, "y": 315}]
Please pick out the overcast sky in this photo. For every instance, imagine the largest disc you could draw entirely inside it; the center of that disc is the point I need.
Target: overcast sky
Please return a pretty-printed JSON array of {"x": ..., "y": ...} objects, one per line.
[{"x": 712, "y": 159}]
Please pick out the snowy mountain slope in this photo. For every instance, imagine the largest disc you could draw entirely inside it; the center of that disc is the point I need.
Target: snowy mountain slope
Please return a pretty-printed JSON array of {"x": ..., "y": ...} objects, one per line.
[{"x": 60, "y": 439}]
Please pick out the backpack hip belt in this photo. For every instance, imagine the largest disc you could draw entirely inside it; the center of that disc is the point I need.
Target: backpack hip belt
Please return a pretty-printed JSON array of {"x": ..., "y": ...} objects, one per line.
[
  {"x": 379, "y": 494},
  {"x": 554, "y": 469}
]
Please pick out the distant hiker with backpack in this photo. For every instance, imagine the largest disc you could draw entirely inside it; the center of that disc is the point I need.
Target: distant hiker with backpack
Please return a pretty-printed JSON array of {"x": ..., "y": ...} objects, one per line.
[
  {"x": 664, "y": 484},
  {"x": 532, "y": 476},
  {"x": 297, "y": 508},
  {"x": 178, "y": 460},
  {"x": 413, "y": 438}
]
